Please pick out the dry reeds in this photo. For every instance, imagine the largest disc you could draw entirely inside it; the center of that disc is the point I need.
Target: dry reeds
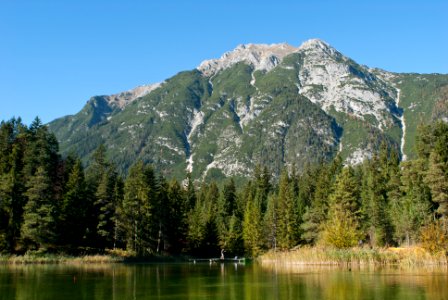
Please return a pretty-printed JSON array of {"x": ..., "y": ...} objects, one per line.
[
  {"x": 412, "y": 256},
  {"x": 58, "y": 259}
]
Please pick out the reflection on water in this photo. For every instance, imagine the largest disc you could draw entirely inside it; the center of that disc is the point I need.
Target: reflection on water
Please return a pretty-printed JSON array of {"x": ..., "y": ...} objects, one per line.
[
  {"x": 218, "y": 281},
  {"x": 330, "y": 282}
]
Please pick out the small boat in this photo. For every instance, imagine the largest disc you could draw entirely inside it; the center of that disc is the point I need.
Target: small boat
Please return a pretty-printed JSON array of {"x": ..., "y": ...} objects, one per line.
[{"x": 238, "y": 260}]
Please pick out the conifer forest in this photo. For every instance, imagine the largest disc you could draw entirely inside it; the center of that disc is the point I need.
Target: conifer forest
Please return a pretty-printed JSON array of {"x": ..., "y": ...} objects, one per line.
[{"x": 55, "y": 204}]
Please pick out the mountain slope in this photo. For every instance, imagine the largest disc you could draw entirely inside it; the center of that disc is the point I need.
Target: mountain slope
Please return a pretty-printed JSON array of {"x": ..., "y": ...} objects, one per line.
[{"x": 273, "y": 105}]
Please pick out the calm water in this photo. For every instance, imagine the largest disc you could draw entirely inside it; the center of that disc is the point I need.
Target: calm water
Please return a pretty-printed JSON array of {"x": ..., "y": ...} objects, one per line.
[{"x": 204, "y": 281}]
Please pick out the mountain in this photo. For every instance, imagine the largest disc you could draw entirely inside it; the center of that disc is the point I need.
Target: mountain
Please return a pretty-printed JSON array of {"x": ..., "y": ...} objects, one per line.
[{"x": 274, "y": 105}]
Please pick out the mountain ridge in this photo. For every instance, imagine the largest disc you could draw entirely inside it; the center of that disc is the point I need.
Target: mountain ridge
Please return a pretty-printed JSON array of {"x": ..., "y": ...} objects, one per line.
[{"x": 274, "y": 105}]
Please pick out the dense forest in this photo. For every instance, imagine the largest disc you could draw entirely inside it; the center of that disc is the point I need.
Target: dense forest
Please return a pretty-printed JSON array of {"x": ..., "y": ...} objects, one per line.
[{"x": 52, "y": 204}]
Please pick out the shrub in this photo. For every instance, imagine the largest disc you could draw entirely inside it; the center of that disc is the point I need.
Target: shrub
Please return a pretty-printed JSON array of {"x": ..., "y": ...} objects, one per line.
[{"x": 434, "y": 237}]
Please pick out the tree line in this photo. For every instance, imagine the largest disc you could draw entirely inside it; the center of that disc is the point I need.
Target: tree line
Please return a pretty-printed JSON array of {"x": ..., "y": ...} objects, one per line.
[{"x": 52, "y": 204}]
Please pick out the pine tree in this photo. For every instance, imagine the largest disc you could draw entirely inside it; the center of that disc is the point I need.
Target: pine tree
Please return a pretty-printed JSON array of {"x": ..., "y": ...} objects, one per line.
[
  {"x": 190, "y": 192},
  {"x": 271, "y": 220},
  {"x": 374, "y": 191},
  {"x": 234, "y": 236},
  {"x": 12, "y": 198},
  {"x": 287, "y": 231},
  {"x": 38, "y": 228},
  {"x": 41, "y": 150},
  {"x": 252, "y": 228},
  {"x": 105, "y": 206},
  {"x": 410, "y": 211},
  {"x": 196, "y": 228},
  {"x": 263, "y": 186},
  {"x": 119, "y": 235},
  {"x": 228, "y": 200},
  {"x": 104, "y": 188},
  {"x": 226, "y": 219},
  {"x": 316, "y": 214},
  {"x": 137, "y": 210},
  {"x": 72, "y": 217},
  {"x": 342, "y": 228},
  {"x": 423, "y": 143},
  {"x": 203, "y": 233},
  {"x": 307, "y": 185},
  {"x": 440, "y": 142},
  {"x": 437, "y": 180},
  {"x": 176, "y": 222},
  {"x": 210, "y": 243}
]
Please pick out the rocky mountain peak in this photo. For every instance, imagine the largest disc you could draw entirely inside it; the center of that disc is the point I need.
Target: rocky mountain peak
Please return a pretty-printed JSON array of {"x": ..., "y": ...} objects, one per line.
[
  {"x": 316, "y": 44},
  {"x": 263, "y": 56},
  {"x": 260, "y": 56},
  {"x": 315, "y": 103},
  {"x": 122, "y": 99}
]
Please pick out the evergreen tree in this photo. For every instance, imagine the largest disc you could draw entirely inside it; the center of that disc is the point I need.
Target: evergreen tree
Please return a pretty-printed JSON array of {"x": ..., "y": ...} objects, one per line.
[
  {"x": 233, "y": 239},
  {"x": 38, "y": 228},
  {"x": 105, "y": 206},
  {"x": 176, "y": 221},
  {"x": 73, "y": 215},
  {"x": 307, "y": 185},
  {"x": 316, "y": 214},
  {"x": 211, "y": 234},
  {"x": 228, "y": 222},
  {"x": 12, "y": 197},
  {"x": 98, "y": 167},
  {"x": 252, "y": 228},
  {"x": 203, "y": 231},
  {"x": 423, "y": 143},
  {"x": 101, "y": 202},
  {"x": 41, "y": 150},
  {"x": 342, "y": 228},
  {"x": 271, "y": 220},
  {"x": 119, "y": 235},
  {"x": 437, "y": 180},
  {"x": 263, "y": 186},
  {"x": 440, "y": 142},
  {"x": 287, "y": 231},
  {"x": 196, "y": 228},
  {"x": 411, "y": 210},
  {"x": 252, "y": 234},
  {"x": 161, "y": 216},
  {"x": 228, "y": 200},
  {"x": 433, "y": 137},
  {"x": 137, "y": 210},
  {"x": 190, "y": 192},
  {"x": 375, "y": 178}
]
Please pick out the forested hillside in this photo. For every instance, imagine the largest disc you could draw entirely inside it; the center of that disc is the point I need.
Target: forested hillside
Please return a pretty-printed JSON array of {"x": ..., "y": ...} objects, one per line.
[{"x": 52, "y": 204}]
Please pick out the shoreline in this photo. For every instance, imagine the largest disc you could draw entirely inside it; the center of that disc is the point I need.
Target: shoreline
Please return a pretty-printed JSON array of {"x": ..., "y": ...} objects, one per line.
[
  {"x": 63, "y": 259},
  {"x": 59, "y": 259},
  {"x": 304, "y": 256}
]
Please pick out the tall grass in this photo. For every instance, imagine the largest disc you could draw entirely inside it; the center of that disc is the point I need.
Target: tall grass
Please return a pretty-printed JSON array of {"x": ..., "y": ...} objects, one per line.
[
  {"x": 412, "y": 256},
  {"x": 32, "y": 258},
  {"x": 111, "y": 256}
]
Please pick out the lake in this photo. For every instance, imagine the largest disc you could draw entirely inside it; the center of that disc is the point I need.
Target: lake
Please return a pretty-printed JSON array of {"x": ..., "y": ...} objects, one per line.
[{"x": 218, "y": 281}]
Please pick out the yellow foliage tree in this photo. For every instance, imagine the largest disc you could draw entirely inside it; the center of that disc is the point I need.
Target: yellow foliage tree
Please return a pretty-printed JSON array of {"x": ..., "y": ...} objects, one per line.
[{"x": 341, "y": 229}]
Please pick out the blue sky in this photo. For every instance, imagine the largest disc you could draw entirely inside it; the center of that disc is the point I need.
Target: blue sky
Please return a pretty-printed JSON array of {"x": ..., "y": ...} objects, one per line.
[{"x": 55, "y": 55}]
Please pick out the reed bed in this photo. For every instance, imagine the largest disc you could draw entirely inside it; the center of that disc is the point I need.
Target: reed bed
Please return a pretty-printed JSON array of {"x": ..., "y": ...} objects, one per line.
[
  {"x": 412, "y": 256},
  {"x": 58, "y": 259}
]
